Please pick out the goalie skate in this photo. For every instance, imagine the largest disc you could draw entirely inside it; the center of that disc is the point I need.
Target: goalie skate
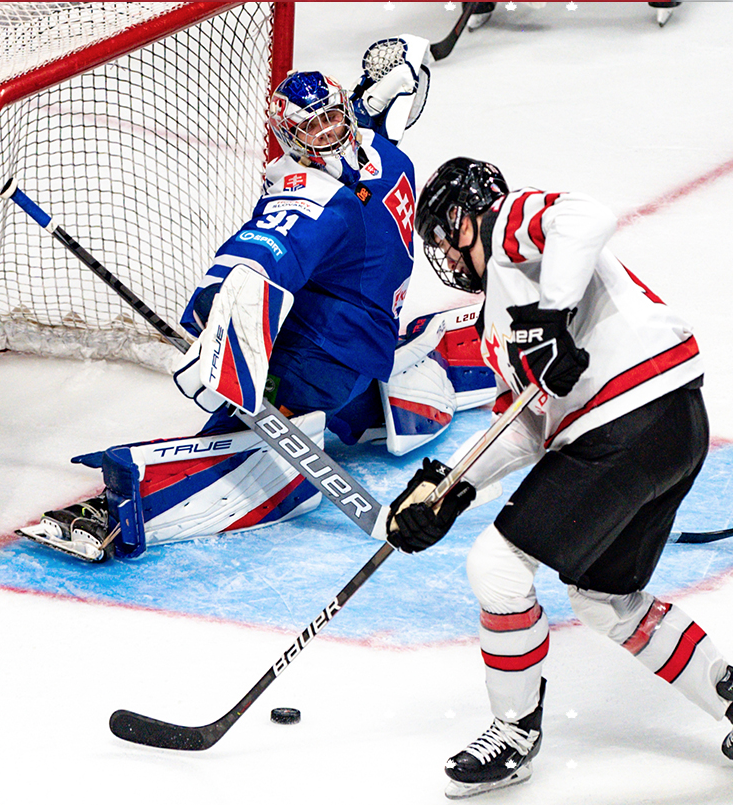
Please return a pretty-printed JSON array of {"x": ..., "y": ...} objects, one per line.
[{"x": 79, "y": 530}]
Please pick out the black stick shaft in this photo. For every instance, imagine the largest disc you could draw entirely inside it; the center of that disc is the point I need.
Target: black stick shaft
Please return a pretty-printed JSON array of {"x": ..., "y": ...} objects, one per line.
[
  {"x": 141, "y": 729},
  {"x": 440, "y": 50}
]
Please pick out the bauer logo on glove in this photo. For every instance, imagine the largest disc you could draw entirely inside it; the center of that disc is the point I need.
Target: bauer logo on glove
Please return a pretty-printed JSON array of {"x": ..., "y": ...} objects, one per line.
[
  {"x": 412, "y": 525},
  {"x": 543, "y": 352}
]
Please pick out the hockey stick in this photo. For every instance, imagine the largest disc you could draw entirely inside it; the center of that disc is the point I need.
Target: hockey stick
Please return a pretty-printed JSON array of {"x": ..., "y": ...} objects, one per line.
[
  {"x": 699, "y": 537},
  {"x": 500, "y": 425},
  {"x": 142, "y": 729},
  {"x": 278, "y": 431},
  {"x": 443, "y": 48},
  {"x": 11, "y": 191}
]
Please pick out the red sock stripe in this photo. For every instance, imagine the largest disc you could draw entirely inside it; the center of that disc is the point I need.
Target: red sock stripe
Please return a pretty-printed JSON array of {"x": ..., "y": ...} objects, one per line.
[
  {"x": 503, "y": 662},
  {"x": 645, "y": 629},
  {"x": 682, "y": 654},
  {"x": 513, "y": 622}
]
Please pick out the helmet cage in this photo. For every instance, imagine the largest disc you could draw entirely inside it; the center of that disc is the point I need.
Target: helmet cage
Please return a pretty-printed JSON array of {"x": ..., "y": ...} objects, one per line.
[
  {"x": 313, "y": 117},
  {"x": 461, "y": 187}
]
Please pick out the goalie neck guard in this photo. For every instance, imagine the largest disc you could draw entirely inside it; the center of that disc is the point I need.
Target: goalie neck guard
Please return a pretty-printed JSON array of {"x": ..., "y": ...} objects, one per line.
[{"x": 460, "y": 187}]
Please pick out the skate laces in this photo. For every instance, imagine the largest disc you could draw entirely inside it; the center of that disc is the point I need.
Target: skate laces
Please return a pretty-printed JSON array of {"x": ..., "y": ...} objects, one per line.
[{"x": 497, "y": 737}]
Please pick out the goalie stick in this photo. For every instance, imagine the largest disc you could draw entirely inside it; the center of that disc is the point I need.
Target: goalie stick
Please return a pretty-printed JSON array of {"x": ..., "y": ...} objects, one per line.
[
  {"x": 278, "y": 431},
  {"x": 441, "y": 49}
]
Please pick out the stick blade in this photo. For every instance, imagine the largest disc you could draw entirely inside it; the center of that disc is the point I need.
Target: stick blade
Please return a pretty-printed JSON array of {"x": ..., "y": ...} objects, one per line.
[
  {"x": 692, "y": 538},
  {"x": 141, "y": 729},
  {"x": 441, "y": 50}
]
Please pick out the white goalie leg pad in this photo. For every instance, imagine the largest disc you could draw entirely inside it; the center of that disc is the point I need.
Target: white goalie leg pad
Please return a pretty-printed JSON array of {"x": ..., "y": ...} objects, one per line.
[
  {"x": 419, "y": 404},
  {"x": 662, "y": 637},
  {"x": 418, "y": 399},
  {"x": 249, "y": 487},
  {"x": 473, "y": 381},
  {"x": 514, "y": 630},
  {"x": 235, "y": 347},
  {"x": 179, "y": 489}
]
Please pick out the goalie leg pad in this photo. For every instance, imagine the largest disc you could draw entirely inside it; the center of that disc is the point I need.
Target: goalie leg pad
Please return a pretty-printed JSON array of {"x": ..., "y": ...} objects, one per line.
[
  {"x": 419, "y": 404},
  {"x": 438, "y": 370},
  {"x": 173, "y": 490},
  {"x": 460, "y": 346}
]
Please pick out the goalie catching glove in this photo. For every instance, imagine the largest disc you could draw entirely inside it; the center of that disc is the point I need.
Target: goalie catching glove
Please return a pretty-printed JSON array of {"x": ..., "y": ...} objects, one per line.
[
  {"x": 543, "y": 352},
  {"x": 393, "y": 88},
  {"x": 413, "y": 526}
]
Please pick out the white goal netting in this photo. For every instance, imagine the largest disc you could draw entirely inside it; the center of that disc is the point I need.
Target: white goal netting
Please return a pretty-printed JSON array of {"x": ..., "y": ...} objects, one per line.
[{"x": 149, "y": 161}]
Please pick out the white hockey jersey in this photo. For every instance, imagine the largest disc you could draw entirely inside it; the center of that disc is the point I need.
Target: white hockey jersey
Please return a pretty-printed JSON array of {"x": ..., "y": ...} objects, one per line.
[{"x": 551, "y": 248}]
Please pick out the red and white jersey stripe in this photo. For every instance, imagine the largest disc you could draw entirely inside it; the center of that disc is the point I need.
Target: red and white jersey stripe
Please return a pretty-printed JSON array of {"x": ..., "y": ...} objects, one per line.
[{"x": 551, "y": 248}]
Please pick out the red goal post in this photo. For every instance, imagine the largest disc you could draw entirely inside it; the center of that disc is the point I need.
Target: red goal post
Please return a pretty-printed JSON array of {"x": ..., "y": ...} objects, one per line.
[{"x": 141, "y": 127}]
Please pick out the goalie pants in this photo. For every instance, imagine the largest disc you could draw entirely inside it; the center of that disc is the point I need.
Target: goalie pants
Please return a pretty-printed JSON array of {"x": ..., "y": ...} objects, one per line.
[
  {"x": 599, "y": 512},
  {"x": 302, "y": 378}
]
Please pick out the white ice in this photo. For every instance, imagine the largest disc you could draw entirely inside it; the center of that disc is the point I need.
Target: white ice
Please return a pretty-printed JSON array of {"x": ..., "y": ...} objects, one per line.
[{"x": 598, "y": 99}]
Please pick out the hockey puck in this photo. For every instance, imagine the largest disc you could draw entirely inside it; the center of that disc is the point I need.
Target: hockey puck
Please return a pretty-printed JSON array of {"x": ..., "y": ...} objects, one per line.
[{"x": 285, "y": 715}]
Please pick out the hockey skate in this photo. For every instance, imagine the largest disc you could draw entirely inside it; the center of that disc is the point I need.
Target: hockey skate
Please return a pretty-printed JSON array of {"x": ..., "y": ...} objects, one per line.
[
  {"x": 482, "y": 14},
  {"x": 725, "y": 691},
  {"x": 79, "y": 530},
  {"x": 664, "y": 11},
  {"x": 499, "y": 758}
]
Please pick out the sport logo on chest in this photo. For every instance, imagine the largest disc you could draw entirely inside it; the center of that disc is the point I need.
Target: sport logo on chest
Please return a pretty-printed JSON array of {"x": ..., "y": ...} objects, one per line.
[{"x": 400, "y": 201}]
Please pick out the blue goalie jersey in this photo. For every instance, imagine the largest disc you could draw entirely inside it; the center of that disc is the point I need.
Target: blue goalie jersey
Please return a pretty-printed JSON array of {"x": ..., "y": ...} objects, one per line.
[{"x": 345, "y": 253}]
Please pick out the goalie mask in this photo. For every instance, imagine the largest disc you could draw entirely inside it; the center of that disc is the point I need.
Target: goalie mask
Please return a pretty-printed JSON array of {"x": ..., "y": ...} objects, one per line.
[
  {"x": 313, "y": 120},
  {"x": 460, "y": 187}
]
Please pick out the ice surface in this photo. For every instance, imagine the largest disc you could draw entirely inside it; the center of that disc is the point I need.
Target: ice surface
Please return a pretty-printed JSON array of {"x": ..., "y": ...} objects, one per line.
[{"x": 599, "y": 99}]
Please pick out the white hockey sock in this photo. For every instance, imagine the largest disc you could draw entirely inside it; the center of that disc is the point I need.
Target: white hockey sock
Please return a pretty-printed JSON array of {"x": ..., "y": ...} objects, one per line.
[
  {"x": 662, "y": 637},
  {"x": 676, "y": 649},
  {"x": 513, "y": 647}
]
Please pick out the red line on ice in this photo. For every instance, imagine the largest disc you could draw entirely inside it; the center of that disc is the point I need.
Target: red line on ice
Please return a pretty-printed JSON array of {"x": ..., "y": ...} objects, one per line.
[{"x": 674, "y": 195}]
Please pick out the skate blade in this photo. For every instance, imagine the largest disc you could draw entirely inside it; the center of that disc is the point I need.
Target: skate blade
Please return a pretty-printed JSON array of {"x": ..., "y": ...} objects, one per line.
[
  {"x": 81, "y": 549},
  {"x": 456, "y": 790}
]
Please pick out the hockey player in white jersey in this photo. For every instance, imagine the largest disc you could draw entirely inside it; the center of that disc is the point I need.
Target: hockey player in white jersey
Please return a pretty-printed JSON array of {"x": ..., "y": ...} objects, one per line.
[{"x": 617, "y": 436}]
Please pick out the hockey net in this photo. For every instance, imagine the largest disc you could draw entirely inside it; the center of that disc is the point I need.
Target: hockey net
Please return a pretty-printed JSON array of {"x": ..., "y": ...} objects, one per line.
[{"x": 141, "y": 128}]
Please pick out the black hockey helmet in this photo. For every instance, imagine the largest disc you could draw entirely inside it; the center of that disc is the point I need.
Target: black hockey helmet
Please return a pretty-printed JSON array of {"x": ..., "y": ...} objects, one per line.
[{"x": 460, "y": 187}]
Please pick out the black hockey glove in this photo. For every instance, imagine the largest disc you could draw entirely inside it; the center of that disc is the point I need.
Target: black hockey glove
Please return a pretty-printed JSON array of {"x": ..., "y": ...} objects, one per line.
[
  {"x": 412, "y": 526},
  {"x": 543, "y": 351}
]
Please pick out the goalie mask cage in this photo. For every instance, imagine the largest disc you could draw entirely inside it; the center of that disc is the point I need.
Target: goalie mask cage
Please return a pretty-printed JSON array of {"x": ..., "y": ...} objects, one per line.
[{"x": 142, "y": 129}]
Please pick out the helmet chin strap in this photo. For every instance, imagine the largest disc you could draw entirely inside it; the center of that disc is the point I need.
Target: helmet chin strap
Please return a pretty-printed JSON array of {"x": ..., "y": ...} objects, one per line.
[{"x": 476, "y": 281}]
